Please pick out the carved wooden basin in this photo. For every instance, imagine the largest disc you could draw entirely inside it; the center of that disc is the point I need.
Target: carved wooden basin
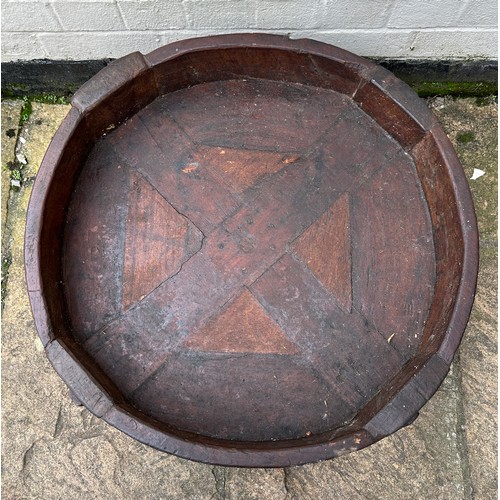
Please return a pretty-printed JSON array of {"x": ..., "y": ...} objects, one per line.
[{"x": 248, "y": 250}]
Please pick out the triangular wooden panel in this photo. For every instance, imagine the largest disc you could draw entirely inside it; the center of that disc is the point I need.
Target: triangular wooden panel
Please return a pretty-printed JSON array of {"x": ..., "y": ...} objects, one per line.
[
  {"x": 243, "y": 326},
  {"x": 158, "y": 241},
  {"x": 240, "y": 169},
  {"x": 325, "y": 247}
]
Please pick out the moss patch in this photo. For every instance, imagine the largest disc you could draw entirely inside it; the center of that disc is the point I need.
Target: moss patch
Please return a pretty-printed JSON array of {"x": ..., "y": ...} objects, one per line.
[
  {"x": 465, "y": 137},
  {"x": 46, "y": 98},
  {"x": 486, "y": 100},
  {"x": 456, "y": 89},
  {"x": 50, "y": 99},
  {"x": 26, "y": 111},
  {"x": 43, "y": 98},
  {"x": 13, "y": 90}
]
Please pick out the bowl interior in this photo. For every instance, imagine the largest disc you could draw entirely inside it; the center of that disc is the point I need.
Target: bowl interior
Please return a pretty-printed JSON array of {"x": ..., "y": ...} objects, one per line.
[{"x": 260, "y": 247}]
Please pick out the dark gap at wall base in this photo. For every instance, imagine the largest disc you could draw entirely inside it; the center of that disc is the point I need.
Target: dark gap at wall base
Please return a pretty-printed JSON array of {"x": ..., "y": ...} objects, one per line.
[
  {"x": 439, "y": 78},
  {"x": 418, "y": 71},
  {"x": 40, "y": 76},
  {"x": 427, "y": 77}
]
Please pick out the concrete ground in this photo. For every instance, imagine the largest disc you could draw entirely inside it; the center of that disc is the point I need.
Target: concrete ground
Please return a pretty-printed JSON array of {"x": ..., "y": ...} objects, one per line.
[{"x": 54, "y": 449}]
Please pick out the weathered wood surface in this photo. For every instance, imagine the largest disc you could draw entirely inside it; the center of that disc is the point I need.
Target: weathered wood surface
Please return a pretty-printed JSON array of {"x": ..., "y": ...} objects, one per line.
[{"x": 271, "y": 251}]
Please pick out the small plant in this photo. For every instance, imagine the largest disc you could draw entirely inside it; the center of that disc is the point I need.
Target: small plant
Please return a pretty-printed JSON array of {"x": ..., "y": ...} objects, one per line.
[
  {"x": 26, "y": 110},
  {"x": 486, "y": 100},
  {"x": 16, "y": 175},
  {"x": 465, "y": 137},
  {"x": 50, "y": 99}
]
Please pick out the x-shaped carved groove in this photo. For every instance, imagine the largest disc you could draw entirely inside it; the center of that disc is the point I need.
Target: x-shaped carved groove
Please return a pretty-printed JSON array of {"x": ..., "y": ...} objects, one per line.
[{"x": 242, "y": 241}]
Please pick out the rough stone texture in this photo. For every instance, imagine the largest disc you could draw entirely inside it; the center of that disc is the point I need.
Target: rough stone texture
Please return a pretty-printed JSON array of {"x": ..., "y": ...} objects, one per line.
[
  {"x": 420, "y": 461},
  {"x": 473, "y": 132},
  {"x": 479, "y": 364},
  {"x": 11, "y": 113},
  {"x": 54, "y": 449},
  {"x": 254, "y": 484},
  {"x": 249, "y": 484},
  {"x": 37, "y": 133}
]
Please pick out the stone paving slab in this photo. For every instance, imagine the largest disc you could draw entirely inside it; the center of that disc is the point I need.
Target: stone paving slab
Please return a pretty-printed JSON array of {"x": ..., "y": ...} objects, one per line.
[
  {"x": 54, "y": 449},
  {"x": 479, "y": 365},
  {"x": 473, "y": 131},
  {"x": 424, "y": 460}
]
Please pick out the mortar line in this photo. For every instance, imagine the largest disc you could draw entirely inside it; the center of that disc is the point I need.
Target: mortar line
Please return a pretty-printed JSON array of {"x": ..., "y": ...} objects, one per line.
[
  {"x": 219, "y": 474},
  {"x": 390, "y": 12},
  {"x": 7, "y": 233},
  {"x": 57, "y": 17},
  {"x": 286, "y": 484},
  {"x": 462, "y": 9},
  {"x": 10, "y": 219},
  {"x": 462, "y": 445},
  {"x": 282, "y": 31},
  {"x": 187, "y": 17},
  {"x": 122, "y": 17}
]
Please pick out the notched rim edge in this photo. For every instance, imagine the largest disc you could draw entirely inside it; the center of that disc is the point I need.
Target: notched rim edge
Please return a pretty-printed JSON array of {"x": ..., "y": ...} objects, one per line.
[{"x": 117, "y": 415}]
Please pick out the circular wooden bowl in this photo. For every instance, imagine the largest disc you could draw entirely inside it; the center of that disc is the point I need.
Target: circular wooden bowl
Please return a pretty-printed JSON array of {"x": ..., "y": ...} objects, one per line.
[{"x": 249, "y": 250}]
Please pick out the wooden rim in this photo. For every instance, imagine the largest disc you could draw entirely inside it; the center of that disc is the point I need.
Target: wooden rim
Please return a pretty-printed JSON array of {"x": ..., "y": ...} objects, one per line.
[{"x": 387, "y": 412}]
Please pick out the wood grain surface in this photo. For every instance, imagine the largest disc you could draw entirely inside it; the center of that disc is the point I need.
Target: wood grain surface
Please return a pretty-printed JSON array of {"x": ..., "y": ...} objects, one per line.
[
  {"x": 263, "y": 249},
  {"x": 222, "y": 186}
]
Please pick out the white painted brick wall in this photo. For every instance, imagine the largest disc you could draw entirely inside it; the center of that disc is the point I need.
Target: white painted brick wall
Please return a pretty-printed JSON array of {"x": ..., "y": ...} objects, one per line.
[
  {"x": 156, "y": 15},
  {"x": 97, "y": 29},
  {"x": 91, "y": 16}
]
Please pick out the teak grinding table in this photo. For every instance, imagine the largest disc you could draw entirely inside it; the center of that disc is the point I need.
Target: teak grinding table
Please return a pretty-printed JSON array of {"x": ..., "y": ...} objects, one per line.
[{"x": 249, "y": 250}]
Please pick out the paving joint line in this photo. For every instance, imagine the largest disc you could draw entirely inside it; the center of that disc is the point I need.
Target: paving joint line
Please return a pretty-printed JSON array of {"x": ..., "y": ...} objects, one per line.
[
  {"x": 10, "y": 222},
  {"x": 462, "y": 446}
]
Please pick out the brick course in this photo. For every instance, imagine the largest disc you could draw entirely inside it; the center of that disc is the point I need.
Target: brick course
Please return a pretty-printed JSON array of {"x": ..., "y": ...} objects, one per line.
[{"x": 97, "y": 29}]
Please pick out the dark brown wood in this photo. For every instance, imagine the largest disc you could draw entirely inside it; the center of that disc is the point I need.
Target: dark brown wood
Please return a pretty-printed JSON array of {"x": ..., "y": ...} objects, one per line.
[
  {"x": 247, "y": 250},
  {"x": 381, "y": 286},
  {"x": 242, "y": 326},
  {"x": 45, "y": 224},
  {"x": 158, "y": 240},
  {"x": 456, "y": 264},
  {"x": 394, "y": 106},
  {"x": 325, "y": 247},
  {"x": 115, "y": 93}
]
